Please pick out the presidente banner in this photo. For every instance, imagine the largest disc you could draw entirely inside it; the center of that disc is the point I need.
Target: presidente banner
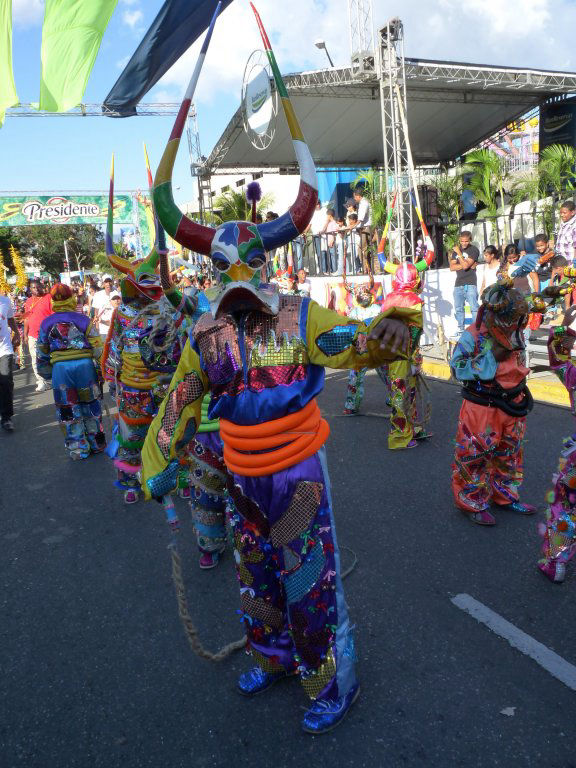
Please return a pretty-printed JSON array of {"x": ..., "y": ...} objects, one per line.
[{"x": 64, "y": 209}]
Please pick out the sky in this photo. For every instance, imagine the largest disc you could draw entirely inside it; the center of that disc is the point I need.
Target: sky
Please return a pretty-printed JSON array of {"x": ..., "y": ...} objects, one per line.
[{"x": 55, "y": 153}]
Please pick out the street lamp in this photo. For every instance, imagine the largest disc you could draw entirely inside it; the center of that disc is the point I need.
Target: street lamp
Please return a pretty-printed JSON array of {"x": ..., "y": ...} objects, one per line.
[{"x": 322, "y": 44}]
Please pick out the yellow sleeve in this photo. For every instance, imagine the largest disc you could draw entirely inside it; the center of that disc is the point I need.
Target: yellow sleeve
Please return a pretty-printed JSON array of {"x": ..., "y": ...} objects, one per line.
[
  {"x": 341, "y": 342},
  {"x": 174, "y": 426},
  {"x": 94, "y": 340}
]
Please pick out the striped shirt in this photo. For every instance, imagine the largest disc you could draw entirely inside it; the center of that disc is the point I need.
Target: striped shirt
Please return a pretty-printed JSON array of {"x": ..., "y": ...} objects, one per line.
[{"x": 566, "y": 240}]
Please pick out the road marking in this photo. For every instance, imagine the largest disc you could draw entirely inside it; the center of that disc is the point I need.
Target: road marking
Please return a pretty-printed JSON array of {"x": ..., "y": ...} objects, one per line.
[{"x": 555, "y": 665}]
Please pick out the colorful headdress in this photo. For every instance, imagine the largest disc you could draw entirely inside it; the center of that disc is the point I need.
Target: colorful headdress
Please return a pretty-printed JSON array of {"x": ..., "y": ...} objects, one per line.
[
  {"x": 141, "y": 280},
  {"x": 504, "y": 313},
  {"x": 63, "y": 298},
  {"x": 421, "y": 265},
  {"x": 237, "y": 248},
  {"x": 61, "y": 292}
]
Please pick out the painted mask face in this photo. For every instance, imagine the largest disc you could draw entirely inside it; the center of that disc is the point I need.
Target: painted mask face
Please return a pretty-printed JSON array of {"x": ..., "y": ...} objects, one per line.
[
  {"x": 237, "y": 253},
  {"x": 406, "y": 278}
]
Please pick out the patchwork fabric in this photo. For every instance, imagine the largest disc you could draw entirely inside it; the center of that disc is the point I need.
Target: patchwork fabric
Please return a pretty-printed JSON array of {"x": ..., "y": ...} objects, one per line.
[
  {"x": 299, "y": 582},
  {"x": 185, "y": 393},
  {"x": 263, "y": 610},
  {"x": 297, "y": 518},
  {"x": 317, "y": 680}
]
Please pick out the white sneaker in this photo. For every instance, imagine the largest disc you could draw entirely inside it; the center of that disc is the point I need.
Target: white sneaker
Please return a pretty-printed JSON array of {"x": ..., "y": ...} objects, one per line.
[{"x": 41, "y": 386}]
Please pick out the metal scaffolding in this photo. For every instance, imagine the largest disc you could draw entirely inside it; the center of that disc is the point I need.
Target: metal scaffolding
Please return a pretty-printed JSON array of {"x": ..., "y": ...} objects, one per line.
[
  {"x": 361, "y": 37},
  {"x": 397, "y": 160},
  {"x": 94, "y": 110}
]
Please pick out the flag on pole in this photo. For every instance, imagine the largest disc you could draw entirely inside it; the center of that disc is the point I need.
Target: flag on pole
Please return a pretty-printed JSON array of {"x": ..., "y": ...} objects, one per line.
[
  {"x": 71, "y": 37},
  {"x": 8, "y": 95},
  {"x": 178, "y": 24}
]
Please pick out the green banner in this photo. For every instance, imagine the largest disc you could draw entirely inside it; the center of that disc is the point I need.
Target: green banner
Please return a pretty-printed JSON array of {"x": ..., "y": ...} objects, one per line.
[
  {"x": 58, "y": 209},
  {"x": 71, "y": 38},
  {"x": 8, "y": 95}
]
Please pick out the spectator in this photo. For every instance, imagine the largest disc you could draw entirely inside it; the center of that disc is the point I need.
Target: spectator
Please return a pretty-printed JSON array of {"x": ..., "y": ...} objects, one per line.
[
  {"x": 91, "y": 293},
  {"x": 315, "y": 228},
  {"x": 488, "y": 271},
  {"x": 9, "y": 337},
  {"x": 463, "y": 261},
  {"x": 304, "y": 285},
  {"x": 329, "y": 231},
  {"x": 543, "y": 272},
  {"x": 364, "y": 227},
  {"x": 37, "y": 307},
  {"x": 102, "y": 306},
  {"x": 566, "y": 238},
  {"x": 521, "y": 284},
  {"x": 353, "y": 244}
]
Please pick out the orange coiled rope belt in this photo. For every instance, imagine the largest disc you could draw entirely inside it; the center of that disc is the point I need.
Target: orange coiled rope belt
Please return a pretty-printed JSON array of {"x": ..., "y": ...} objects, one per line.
[{"x": 285, "y": 442}]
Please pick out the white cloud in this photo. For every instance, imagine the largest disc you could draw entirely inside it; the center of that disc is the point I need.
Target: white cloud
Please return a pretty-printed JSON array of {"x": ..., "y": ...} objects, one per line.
[
  {"x": 132, "y": 18},
  {"x": 532, "y": 33},
  {"x": 26, "y": 13},
  {"x": 129, "y": 2}
]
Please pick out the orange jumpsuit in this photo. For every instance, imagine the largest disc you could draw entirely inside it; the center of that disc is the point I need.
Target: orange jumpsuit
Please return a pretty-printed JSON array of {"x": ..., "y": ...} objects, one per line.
[{"x": 487, "y": 465}]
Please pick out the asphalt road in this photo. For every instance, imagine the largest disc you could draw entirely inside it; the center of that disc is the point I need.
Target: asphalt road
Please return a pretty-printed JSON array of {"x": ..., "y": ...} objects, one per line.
[{"x": 96, "y": 672}]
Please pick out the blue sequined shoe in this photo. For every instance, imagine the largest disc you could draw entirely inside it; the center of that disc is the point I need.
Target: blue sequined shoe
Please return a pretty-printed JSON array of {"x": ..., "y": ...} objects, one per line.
[
  {"x": 325, "y": 714},
  {"x": 256, "y": 680},
  {"x": 518, "y": 507}
]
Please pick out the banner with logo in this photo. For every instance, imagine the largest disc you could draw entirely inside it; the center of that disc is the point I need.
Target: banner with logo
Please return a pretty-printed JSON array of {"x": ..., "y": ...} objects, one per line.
[{"x": 64, "y": 209}]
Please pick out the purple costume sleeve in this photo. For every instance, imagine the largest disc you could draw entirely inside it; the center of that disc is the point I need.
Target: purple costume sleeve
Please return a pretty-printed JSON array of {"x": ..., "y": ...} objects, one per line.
[{"x": 560, "y": 364}]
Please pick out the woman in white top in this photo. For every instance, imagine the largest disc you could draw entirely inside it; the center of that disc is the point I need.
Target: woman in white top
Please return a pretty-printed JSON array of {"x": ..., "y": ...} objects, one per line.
[{"x": 489, "y": 270}]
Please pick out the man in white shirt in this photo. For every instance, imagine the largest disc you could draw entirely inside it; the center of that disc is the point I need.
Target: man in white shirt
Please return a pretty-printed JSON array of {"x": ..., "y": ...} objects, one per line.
[
  {"x": 315, "y": 228},
  {"x": 364, "y": 227},
  {"x": 103, "y": 307},
  {"x": 7, "y": 326}
]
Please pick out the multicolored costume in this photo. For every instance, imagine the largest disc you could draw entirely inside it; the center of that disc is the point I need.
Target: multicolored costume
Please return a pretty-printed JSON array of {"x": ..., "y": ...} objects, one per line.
[
  {"x": 205, "y": 475},
  {"x": 364, "y": 309},
  {"x": 559, "y": 531},
  {"x": 408, "y": 392},
  {"x": 67, "y": 350},
  {"x": 131, "y": 363},
  {"x": 261, "y": 356},
  {"x": 487, "y": 464}
]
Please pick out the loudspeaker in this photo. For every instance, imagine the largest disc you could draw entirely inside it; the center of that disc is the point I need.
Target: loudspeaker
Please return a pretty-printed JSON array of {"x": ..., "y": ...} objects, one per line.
[{"x": 429, "y": 202}]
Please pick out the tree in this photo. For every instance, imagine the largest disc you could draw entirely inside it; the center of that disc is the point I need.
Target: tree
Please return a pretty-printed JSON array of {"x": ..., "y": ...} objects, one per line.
[
  {"x": 449, "y": 189},
  {"x": 46, "y": 245},
  {"x": 556, "y": 169},
  {"x": 487, "y": 175},
  {"x": 233, "y": 206}
]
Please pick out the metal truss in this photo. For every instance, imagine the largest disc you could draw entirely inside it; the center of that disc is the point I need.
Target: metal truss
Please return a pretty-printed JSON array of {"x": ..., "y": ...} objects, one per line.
[
  {"x": 95, "y": 110},
  {"x": 361, "y": 37},
  {"x": 392, "y": 76}
]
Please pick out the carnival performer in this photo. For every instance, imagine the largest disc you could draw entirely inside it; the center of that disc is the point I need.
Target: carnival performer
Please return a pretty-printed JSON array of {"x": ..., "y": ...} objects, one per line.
[
  {"x": 204, "y": 476},
  {"x": 489, "y": 361},
  {"x": 408, "y": 393},
  {"x": 68, "y": 349},
  {"x": 559, "y": 531},
  {"x": 364, "y": 309},
  {"x": 262, "y": 358},
  {"x": 136, "y": 384}
]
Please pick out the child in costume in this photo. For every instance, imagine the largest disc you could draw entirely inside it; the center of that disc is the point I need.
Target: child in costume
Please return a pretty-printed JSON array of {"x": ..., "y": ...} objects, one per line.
[
  {"x": 364, "y": 309},
  {"x": 262, "y": 356},
  {"x": 489, "y": 361},
  {"x": 67, "y": 353},
  {"x": 559, "y": 531},
  {"x": 408, "y": 398}
]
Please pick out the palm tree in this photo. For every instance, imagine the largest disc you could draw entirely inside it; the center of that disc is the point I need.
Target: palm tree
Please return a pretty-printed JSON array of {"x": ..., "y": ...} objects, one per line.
[
  {"x": 487, "y": 175},
  {"x": 556, "y": 168},
  {"x": 449, "y": 189},
  {"x": 233, "y": 206}
]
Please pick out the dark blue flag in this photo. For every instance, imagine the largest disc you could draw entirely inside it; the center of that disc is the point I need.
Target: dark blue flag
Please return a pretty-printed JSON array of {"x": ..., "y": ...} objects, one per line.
[{"x": 178, "y": 24}]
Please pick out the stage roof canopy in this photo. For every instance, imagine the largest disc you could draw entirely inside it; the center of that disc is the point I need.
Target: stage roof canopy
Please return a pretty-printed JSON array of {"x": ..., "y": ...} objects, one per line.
[{"x": 452, "y": 107}]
